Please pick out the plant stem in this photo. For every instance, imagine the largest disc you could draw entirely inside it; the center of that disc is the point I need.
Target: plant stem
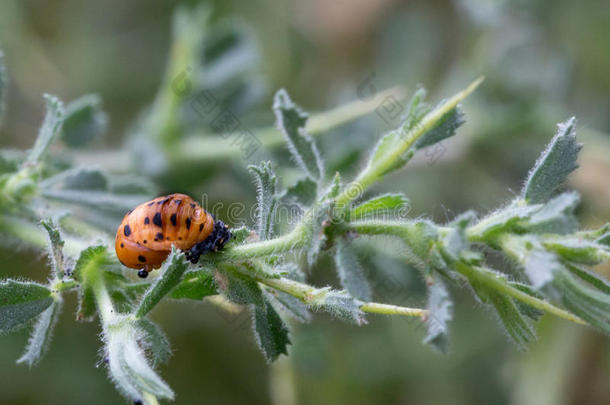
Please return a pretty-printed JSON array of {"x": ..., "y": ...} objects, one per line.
[
  {"x": 487, "y": 277},
  {"x": 387, "y": 309},
  {"x": 309, "y": 295},
  {"x": 372, "y": 173}
]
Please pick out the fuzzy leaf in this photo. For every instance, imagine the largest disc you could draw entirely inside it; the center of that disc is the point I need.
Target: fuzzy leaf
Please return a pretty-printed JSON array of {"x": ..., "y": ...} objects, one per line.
[
  {"x": 242, "y": 291},
  {"x": 445, "y": 128},
  {"x": 287, "y": 304},
  {"x": 508, "y": 219},
  {"x": 381, "y": 205},
  {"x": 292, "y": 121},
  {"x": 155, "y": 341},
  {"x": 20, "y": 302},
  {"x": 587, "y": 302},
  {"x": 41, "y": 335},
  {"x": 341, "y": 305},
  {"x": 56, "y": 245},
  {"x": 554, "y": 164},
  {"x": 91, "y": 257},
  {"x": 86, "y": 305},
  {"x": 267, "y": 198},
  {"x": 303, "y": 192},
  {"x": 509, "y": 313},
  {"x": 351, "y": 274},
  {"x": 128, "y": 366},
  {"x": 270, "y": 331},
  {"x": 540, "y": 266},
  {"x": 3, "y": 86},
  {"x": 171, "y": 274},
  {"x": 84, "y": 178},
  {"x": 595, "y": 280},
  {"x": 240, "y": 235},
  {"x": 317, "y": 236},
  {"x": 576, "y": 250},
  {"x": 84, "y": 120},
  {"x": 49, "y": 130},
  {"x": 195, "y": 286},
  {"x": 556, "y": 216},
  {"x": 441, "y": 312},
  {"x": 96, "y": 199}
]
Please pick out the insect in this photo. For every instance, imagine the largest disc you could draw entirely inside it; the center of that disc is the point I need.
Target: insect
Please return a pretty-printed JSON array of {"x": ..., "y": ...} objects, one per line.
[{"x": 146, "y": 234}]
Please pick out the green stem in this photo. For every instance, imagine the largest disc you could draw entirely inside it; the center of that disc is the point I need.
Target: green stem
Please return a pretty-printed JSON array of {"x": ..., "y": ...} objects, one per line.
[
  {"x": 372, "y": 173},
  {"x": 487, "y": 277},
  {"x": 309, "y": 295}
]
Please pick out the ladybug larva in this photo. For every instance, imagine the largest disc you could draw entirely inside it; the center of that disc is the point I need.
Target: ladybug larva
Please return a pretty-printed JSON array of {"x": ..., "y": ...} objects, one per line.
[{"x": 146, "y": 234}]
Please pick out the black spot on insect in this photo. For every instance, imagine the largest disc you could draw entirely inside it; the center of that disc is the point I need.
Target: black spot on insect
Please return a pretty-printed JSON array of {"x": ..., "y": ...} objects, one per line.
[
  {"x": 178, "y": 202},
  {"x": 127, "y": 230},
  {"x": 173, "y": 219},
  {"x": 145, "y": 241},
  {"x": 163, "y": 201},
  {"x": 179, "y": 237},
  {"x": 150, "y": 203},
  {"x": 157, "y": 220},
  {"x": 122, "y": 245},
  {"x": 159, "y": 237},
  {"x": 146, "y": 221},
  {"x": 193, "y": 205},
  {"x": 188, "y": 223},
  {"x": 142, "y": 274},
  {"x": 142, "y": 259},
  {"x": 130, "y": 211},
  {"x": 167, "y": 238},
  {"x": 200, "y": 227}
]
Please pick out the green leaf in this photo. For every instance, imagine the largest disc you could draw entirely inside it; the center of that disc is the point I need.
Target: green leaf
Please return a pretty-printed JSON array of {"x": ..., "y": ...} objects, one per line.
[
  {"x": 240, "y": 235},
  {"x": 267, "y": 198},
  {"x": 270, "y": 331},
  {"x": 576, "y": 250},
  {"x": 155, "y": 341},
  {"x": 171, "y": 274},
  {"x": 509, "y": 313},
  {"x": 195, "y": 286},
  {"x": 128, "y": 366},
  {"x": 341, "y": 305},
  {"x": 582, "y": 299},
  {"x": 381, "y": 205},
  {"x": 3, "y": 86},
  {"x": 86, "y": 305},
  {"x": 241, "y": 290},
  {"x": 506, "y": 220},
  {"x": 41, "y": 335},
  {"x": 287, "y": 304},
  {"x": 96, "y": 199},
  {"x": 554, "y": 164},
  {"x": 540, "y": 267},
  {"x": 84, "y": 120},
  {"x": 440, "y": 309},
  {"x": 351, "y": 274},
  {"x": 49, "y": 130},
  {"x": 20, "y": 302},
  {"x": 595, "y": 280},
  {"x": 556, "y": 216},
  {"x": 303, "y": 192},
  {"x": 445, "y": 128},
  {"x": 90, "y": 258},
  {"x": 291, "y": 120},
  {"x": 317, "y": 237},
  {"x": 56, "y": 246}
]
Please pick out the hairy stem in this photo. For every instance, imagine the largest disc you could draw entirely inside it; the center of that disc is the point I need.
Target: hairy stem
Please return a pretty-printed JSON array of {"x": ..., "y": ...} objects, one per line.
[
  {"x": 487, "y": 277},
  {"x": 373, "y": 173}
]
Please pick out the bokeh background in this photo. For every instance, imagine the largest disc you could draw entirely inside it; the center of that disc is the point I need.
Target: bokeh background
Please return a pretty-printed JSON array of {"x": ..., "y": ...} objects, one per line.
[{"x": 544, "y": 61}]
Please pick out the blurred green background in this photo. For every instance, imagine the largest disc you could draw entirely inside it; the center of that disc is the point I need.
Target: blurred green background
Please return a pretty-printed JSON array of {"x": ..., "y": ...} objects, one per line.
[{"x": 543, "y": 60}]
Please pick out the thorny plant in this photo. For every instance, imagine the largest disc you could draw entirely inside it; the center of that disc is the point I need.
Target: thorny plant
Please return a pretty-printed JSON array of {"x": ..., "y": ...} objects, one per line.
[{"x": 262, "y": 268}]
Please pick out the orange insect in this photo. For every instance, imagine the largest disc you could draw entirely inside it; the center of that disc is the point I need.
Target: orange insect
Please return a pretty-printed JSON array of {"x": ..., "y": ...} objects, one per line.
[{"x": 146, "y": 234}]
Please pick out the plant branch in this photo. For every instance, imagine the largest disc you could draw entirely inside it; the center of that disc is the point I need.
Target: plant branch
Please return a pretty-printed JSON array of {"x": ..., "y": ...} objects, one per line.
[{"x": 373, "y": 173}]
